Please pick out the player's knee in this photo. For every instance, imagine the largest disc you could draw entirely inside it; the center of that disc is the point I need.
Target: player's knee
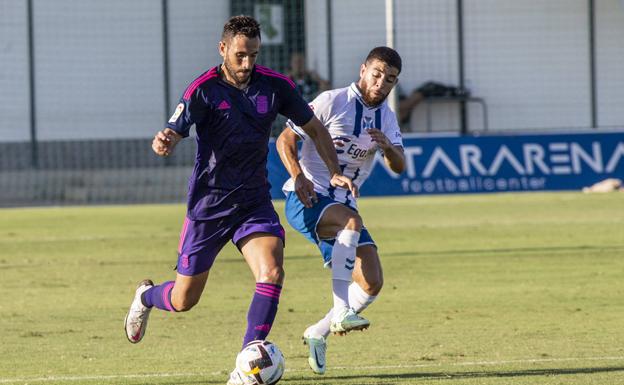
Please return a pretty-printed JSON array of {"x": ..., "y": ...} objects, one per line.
[
  {"x": 354, "y": 222},
  {"x": 273, "y": 275}
]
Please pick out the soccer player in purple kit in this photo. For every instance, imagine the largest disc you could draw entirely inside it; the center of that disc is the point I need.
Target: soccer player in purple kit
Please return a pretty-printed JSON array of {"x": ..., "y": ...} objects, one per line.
[{"x": 233, "y": 106}]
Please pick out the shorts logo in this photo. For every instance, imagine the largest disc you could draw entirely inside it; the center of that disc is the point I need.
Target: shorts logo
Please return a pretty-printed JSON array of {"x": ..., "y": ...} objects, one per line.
[
  {"x": 185, "y": 261},
  {"x": 262, "y": 104},
  {"x": 177, "y": 113}
]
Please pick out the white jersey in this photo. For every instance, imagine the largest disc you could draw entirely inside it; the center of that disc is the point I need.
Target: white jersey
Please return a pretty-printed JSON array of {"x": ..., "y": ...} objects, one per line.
[{"x": 347, "y": 118}]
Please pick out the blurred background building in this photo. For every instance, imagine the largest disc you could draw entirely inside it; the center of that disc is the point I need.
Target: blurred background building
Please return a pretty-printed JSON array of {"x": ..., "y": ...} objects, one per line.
[{"x": 84, "y": 84}]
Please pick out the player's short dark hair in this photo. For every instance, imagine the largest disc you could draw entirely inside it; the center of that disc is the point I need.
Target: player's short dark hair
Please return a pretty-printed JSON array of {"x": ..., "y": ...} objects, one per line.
[
  {"x": 241, "y": 25},
  {"x": 386, "y": 55}
]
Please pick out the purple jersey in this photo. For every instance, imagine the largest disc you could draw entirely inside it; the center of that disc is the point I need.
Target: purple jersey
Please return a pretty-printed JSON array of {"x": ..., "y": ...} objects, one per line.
[{"x": 233, "y": 128}]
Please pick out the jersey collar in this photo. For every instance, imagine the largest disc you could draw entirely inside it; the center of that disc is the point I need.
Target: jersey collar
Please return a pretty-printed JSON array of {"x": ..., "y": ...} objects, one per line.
[{"x": 252, "y": 78}]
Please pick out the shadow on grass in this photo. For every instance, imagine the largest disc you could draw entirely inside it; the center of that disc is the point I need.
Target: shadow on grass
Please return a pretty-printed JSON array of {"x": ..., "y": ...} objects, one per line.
[
  {"x": 221, "y": 381},
  {"x": 387, "y": 379},
  {"x": 395, "y": 379},
  {"x": 544, "y": 249}
]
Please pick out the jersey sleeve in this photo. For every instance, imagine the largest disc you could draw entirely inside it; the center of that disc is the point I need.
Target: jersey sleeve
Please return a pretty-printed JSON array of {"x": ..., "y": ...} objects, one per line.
[
  {"x": 392, "y": 130},
  {"x": 320, "y": 106},
  {"x": 294, "y": 107},
  {"x": 189, "y": 111}
]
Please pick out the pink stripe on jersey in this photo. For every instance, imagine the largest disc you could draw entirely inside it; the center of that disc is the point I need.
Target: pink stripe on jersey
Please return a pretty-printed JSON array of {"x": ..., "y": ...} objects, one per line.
[
  {"x": 269, "y": 72},
  {"x": 165, "y": 296},
  {"x": 183, "y": 234},
  {"x": 197, "y": 82}
]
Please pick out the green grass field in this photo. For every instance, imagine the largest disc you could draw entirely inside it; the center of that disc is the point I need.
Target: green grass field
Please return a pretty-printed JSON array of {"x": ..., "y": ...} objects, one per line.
[{"x": 481, "y": 289}]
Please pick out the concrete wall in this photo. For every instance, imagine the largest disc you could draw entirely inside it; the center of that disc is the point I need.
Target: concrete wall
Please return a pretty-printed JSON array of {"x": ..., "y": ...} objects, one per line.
[
  {"x": 99, "y": 65},
  {"x": 528, "y": 59}
]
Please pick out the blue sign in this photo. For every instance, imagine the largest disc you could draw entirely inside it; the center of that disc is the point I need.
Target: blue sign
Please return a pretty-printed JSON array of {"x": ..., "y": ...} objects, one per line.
[{"x": 502, "y": 163}]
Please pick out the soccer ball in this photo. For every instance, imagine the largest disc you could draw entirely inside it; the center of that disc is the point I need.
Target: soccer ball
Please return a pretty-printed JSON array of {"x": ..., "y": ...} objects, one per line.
[{"x": 260, "y": 362}]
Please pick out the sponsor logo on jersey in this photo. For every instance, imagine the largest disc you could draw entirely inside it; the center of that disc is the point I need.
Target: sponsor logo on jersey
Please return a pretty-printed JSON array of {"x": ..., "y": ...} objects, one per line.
[
  {"x": 356, "y": 152},
  {"x": 177, "y": 113},
  {"x": 224, "y": 105},
  {"x": 340, "y": 142}
]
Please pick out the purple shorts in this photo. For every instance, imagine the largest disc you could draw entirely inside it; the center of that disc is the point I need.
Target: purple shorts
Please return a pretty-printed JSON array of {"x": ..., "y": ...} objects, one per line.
[{"x": 201, "y": 241}]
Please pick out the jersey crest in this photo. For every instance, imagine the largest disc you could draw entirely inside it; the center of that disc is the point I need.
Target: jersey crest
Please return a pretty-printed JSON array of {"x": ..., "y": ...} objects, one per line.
[{"x": 262, "y": 104}]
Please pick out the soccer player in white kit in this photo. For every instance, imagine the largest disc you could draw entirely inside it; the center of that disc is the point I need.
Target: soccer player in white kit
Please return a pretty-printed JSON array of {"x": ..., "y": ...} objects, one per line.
[{"x": 361, "y": 124}]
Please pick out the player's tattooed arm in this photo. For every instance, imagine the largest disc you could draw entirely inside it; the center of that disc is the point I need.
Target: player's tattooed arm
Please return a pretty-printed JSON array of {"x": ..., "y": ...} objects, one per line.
[
  {"x": 325, "y": 148},
  {"x": 287, "y": 149},
  {"x": 165, "y": 141},
  {"x": 393, "y": 155}
]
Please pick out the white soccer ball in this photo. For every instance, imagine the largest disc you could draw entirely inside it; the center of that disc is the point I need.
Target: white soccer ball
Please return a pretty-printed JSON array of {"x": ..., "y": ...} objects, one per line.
[{"x": 260, "y": 362}]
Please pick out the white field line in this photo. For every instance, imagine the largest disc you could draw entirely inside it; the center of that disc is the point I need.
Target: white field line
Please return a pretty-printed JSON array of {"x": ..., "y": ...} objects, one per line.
[{"x": 199, "y": 374}]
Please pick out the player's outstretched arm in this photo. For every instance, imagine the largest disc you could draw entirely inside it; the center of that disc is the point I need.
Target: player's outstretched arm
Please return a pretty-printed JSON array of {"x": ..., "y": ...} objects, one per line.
[
  {"x": 393, "y": 155},
  {"x": 165, "y": 141},
  {"x": 325, "y": 148},
  {"x": 287, "y": 149}
]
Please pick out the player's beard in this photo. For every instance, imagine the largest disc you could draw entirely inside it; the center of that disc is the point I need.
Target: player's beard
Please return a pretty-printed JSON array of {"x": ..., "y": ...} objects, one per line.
[
  {"x": 372, "y": 100},
  {"x": 240, "y": 77}
]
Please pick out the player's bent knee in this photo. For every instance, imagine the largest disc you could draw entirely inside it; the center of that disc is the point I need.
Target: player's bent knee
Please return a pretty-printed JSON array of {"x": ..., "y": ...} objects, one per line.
[
  {"x": 273, "y": 274},
  {"x": 354, "y": 222}
]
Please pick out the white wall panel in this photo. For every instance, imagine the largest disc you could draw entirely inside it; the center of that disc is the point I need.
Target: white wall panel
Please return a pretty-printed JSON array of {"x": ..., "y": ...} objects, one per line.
[
  {"x": 610, "y": 62},
  {"x": 358, "y": 26},
  {"x": 316, "y": 37},
  {"x": 426, "y": 38},
  {"x": 14, "y": 86},
  {"x": 529, "y": 59},
  {"x": 99, "y": 68},
  {"x": 195, "y": 28}
]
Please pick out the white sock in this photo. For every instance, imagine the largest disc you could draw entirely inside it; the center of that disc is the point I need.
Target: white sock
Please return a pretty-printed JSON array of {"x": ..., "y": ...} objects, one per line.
[
  {"x": 321, "y": 328},
  {"x": 344, "y": 248},
  {"x": 343, "y": 261},
  {"x": 341, "y": 294},
  {"x": 358, "y": 298}
]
